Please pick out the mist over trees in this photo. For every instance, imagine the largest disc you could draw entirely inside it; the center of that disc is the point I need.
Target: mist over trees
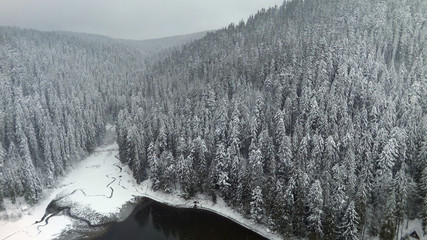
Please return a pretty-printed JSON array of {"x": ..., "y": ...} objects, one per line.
[{"x": 309, "y": 117}]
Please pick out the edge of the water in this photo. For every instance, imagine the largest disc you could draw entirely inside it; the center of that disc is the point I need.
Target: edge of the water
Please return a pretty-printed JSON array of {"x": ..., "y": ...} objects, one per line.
[{"x": 174, "y": 201}]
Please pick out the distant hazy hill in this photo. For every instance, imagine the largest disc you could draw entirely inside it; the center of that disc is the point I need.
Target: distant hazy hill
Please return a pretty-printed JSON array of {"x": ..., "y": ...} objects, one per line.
[{"x": 149, "y": 46}]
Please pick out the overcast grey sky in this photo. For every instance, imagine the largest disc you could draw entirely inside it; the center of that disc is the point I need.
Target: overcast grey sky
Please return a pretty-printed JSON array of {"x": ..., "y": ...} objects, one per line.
[{"x": 129, "y": 19}]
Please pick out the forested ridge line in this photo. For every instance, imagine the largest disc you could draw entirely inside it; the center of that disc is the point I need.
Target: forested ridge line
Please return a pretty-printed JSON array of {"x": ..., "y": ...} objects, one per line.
[{"x": 309, "y": 117}]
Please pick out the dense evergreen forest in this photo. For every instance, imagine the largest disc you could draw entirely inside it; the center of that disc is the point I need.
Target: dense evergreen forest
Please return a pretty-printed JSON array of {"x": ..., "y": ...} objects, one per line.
[
  {"x": 310, "y": 117},
  {"x": 57, "y": 91}
]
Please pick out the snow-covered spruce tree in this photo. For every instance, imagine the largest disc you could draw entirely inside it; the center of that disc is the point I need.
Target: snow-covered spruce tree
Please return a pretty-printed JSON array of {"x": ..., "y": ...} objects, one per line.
[
  {"x": 12, "y": 173},
  {"x": 401, "y": 189},
  {"x": 265, "y": 144},
  {"x": 199, "y": 151},
  {"x": 315, "y": 212},
  {"x": 169, "y": 171},
  {"x": 424, "y": 186},
  {"x": 388, "y": 227},
  {"x": 2, "y": 153},
  {"x": 257, "y": 204},
  {"x": 284, "y": 152},
  {"x": 348, "y": 229},
  {"x": 155, "y": 166},
  {"x": 255, "y": 168},
  {"x": 187, "y": 176},
  {"x": 422, "y": 154},
  {"x": 284, "y": 217},
  {"x": 384, "y": 183},
  {"x": 221, "y": 171},
  {"x": 29, "y": 178}
]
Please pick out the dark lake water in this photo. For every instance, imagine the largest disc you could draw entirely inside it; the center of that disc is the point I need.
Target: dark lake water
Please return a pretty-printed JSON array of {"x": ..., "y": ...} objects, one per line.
[{"x": 154, "y": 221}]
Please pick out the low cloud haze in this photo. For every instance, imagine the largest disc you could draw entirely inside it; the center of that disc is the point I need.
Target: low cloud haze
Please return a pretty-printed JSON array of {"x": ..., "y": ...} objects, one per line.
[{"x": 129, "y": 19}]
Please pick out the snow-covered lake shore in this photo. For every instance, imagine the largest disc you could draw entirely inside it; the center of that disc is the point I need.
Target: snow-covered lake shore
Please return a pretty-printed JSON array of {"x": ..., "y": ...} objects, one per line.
[
  {"x": 98, "y": 189},
  {"x": 203, "y": 202}
]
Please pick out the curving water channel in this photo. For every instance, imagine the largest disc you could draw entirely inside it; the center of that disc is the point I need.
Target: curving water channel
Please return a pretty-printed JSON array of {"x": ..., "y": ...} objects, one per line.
[{"x": 155, "y": 221}]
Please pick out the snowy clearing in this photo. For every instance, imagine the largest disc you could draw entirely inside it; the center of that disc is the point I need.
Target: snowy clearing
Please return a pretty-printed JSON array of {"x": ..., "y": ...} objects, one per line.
[{"x": 94, "y": 188}]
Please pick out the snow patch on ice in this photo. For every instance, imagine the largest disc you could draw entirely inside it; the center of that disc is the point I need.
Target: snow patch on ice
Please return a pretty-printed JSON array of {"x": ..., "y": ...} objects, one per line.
[
  {"x": 92, "y": 200},
  {"x": 17, "y": 221}
]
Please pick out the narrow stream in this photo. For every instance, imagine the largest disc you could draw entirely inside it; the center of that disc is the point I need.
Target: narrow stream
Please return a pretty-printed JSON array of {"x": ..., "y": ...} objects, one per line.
[{"x": 154, "y": 221}]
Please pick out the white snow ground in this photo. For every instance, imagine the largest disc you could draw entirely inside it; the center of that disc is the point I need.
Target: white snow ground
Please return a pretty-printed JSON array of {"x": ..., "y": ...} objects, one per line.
[
  {"x": 87, "y": 190},
  {"x": 91, "y": 176}
]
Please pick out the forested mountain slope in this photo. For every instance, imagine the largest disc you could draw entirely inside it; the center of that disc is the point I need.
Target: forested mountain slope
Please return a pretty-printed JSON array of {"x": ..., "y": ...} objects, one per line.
[
  {"x": 310, "y": 117},
  {"x": 57, "y": 91}
]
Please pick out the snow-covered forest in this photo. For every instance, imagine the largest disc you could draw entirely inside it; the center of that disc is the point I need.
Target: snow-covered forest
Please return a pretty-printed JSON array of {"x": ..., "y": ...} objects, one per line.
[
  {"x": 57, "y": 91},
  {"x": 310, "y": 117}
]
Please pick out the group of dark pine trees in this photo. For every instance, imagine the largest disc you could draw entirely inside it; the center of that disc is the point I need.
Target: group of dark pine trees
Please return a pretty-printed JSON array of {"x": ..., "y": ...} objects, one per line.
[{"x": 310, "y": 117}]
